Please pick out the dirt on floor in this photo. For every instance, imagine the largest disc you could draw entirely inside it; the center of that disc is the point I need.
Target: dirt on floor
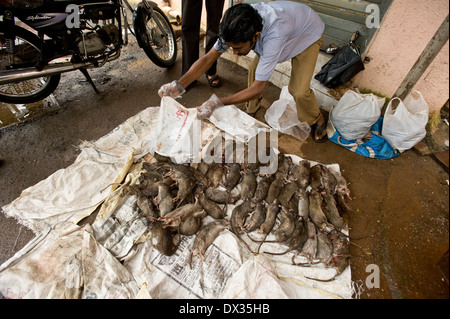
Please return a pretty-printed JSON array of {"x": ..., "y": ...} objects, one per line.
[{"x": 399, "y": 223}]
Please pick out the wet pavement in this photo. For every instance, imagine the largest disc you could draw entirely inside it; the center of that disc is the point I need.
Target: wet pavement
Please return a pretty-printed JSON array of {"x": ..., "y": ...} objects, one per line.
[{"x": 399, "y": 223}]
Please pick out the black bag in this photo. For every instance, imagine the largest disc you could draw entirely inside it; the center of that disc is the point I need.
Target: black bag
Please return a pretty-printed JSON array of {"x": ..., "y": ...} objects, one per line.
[{"x": 342, "y": 67}]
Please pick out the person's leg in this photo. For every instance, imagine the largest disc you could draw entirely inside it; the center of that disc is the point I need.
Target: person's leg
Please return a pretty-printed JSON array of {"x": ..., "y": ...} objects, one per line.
[
  {"x": 190, "y": 27},
  {"x": 214, "y": 10},
  {"x": 253, "y": 105},
  {"x": 299, "y": 86}
]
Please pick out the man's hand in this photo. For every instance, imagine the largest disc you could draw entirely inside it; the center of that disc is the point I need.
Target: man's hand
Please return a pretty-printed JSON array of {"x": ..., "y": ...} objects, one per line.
[
  {"x": 206, "y": 109},
  {"x": 172, "y": 89}
]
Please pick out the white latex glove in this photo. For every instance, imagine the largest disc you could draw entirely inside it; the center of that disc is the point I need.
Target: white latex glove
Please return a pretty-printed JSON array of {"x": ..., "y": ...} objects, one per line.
[
  {"x": 172, "y": 89},
  {"x": 206, "y": 109}
]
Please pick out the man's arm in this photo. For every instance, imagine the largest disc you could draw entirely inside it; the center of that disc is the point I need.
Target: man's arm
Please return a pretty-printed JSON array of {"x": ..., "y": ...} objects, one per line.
[
  {"x": 251, "y": 93},
  {"x": 199, "y": 68}
]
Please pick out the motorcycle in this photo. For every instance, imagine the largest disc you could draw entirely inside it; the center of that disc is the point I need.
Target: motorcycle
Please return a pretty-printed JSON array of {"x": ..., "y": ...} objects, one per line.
[{"x": 41, "y": 39}]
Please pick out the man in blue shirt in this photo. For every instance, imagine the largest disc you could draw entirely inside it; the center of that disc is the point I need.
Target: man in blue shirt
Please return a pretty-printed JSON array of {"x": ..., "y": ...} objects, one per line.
[{"x": 277, "y": 32}]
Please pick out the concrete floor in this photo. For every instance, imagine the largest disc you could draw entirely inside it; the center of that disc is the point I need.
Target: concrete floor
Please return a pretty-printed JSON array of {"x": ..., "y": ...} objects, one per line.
[{"x": 400, "y": 207}]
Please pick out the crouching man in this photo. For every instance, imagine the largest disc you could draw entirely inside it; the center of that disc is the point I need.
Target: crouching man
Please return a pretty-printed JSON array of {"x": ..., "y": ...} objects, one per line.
[{"x": 277, "y": 32}]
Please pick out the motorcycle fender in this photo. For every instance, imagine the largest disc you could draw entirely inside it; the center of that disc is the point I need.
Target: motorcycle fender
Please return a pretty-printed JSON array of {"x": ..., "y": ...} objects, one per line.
[
  {"x": 153, "y": 4},
  {"x": 139, "y": 23}
]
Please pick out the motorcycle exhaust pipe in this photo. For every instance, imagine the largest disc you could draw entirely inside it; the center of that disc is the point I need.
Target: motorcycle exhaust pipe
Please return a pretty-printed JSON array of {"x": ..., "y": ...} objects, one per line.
[{"x": 17, "y": 75}]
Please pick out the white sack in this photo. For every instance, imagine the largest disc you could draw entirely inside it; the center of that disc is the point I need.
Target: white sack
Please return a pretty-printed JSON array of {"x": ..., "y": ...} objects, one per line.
[
  {"x": 59, "y": 253},
  {"x": 282, "y": 116},
  {"x": 355, "y": 113},
  {"x": 65, "y": 262},
  {"x": 75, "y": 192},
  {"x": 237, "y": 123},
  {"x": 178, "y": 131},
  {"x": 405, "y": 126}
]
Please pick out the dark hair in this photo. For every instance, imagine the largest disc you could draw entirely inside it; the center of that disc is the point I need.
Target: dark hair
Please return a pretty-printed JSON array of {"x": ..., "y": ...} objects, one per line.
[{"x": 240, "y": 24}]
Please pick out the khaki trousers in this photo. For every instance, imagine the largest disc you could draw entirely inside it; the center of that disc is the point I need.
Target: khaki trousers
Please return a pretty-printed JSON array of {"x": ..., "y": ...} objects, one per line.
[{"x": 299, "y": 85}]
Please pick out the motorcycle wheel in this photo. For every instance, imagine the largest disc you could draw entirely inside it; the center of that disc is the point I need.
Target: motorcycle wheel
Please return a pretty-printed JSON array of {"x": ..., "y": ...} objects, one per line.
[
  {"x": 160, "y": 49},
  {"x": 27, "y": 52}
]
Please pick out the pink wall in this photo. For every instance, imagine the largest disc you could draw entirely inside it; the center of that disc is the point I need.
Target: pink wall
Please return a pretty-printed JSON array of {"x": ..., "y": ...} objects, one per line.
[{"x": 405, "y": 32}]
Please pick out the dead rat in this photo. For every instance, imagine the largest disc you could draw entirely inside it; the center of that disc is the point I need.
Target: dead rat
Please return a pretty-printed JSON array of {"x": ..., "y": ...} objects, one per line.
[
  {"x": 286, "y": 193},
  {"x": 221, "y": 196},
  {"x": 192, "y": 224},
  {"x": 274, "y": 190},
  {"x": 324, "y": 248},
  {"x": 178, "y": 215},
  {"x": 185, "y": 185},
  {"x": 232, "y": 176},
  {"x": 315, "y": 179},
  {"x": 340, "y": 258},
  {"x": 271, "y": 217},
  {"x": 304, "y": 174},
  {"x": 203, "y": 167},
  {"x": 210, "y": 206},
  {"x": 329, "y": 182},
  {"x": 205, "y": 237},
  {"x": 191, "y": 173},
  {"x": 284, "y": 163},
  {"x": 297, "y": 239},
  {"x": 164, "y": 200},
  {"x": 238, "y": 216},
  {"x": 303, "y": 203},
  {"x": 315, "y": 211},
  {"x": 286, "y": 228},
  {"x": 150, "y": 176},
  {"x": 309, "y": 249},
  {"x": 151, "y": 189},
  {"x": 215, "y": 174},
  {"x": 293, "y": 206},
  {"x": 331, "y": 212},
  {"x": 248, "y": 184},
  {"x": 262, "y": 189},
  {"x": 256, "y": 218},
  {"x": 167, "y": 239},
  {"x": 146, "y": 207}
]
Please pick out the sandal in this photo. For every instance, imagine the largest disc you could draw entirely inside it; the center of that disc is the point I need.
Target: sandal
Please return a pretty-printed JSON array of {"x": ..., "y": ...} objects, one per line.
[
  {"x": 214, "y": 81},
  {"x": 319, "y": 130}
]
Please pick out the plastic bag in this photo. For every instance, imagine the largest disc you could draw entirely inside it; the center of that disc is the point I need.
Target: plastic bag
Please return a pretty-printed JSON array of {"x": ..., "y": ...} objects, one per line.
[
  {"x": 341, "y": 68},
  {"x": 282, "y": 116},
  {"x": 405, "y": 126},
  {"x": 355, "y": 113}
]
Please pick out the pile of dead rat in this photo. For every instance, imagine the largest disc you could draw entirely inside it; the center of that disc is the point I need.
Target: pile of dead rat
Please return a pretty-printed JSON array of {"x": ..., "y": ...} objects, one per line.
[{"x": 298, "y": 207}]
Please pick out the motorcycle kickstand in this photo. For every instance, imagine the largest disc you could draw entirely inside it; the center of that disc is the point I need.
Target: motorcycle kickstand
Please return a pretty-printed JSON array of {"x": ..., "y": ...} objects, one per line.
[{"x": 89, "y": 79}]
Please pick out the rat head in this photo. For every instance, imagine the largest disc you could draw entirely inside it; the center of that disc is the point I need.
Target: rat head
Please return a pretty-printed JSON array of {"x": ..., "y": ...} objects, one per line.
[{"x": 241, "y": 28}]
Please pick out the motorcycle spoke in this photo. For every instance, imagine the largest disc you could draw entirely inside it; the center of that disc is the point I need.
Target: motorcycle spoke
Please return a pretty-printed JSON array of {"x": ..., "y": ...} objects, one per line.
[{"x": 155, "y": 36}]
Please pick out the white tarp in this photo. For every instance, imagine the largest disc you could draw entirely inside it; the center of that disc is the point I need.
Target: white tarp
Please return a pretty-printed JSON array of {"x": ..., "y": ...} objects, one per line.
[{"x": 68, "y": 261}]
